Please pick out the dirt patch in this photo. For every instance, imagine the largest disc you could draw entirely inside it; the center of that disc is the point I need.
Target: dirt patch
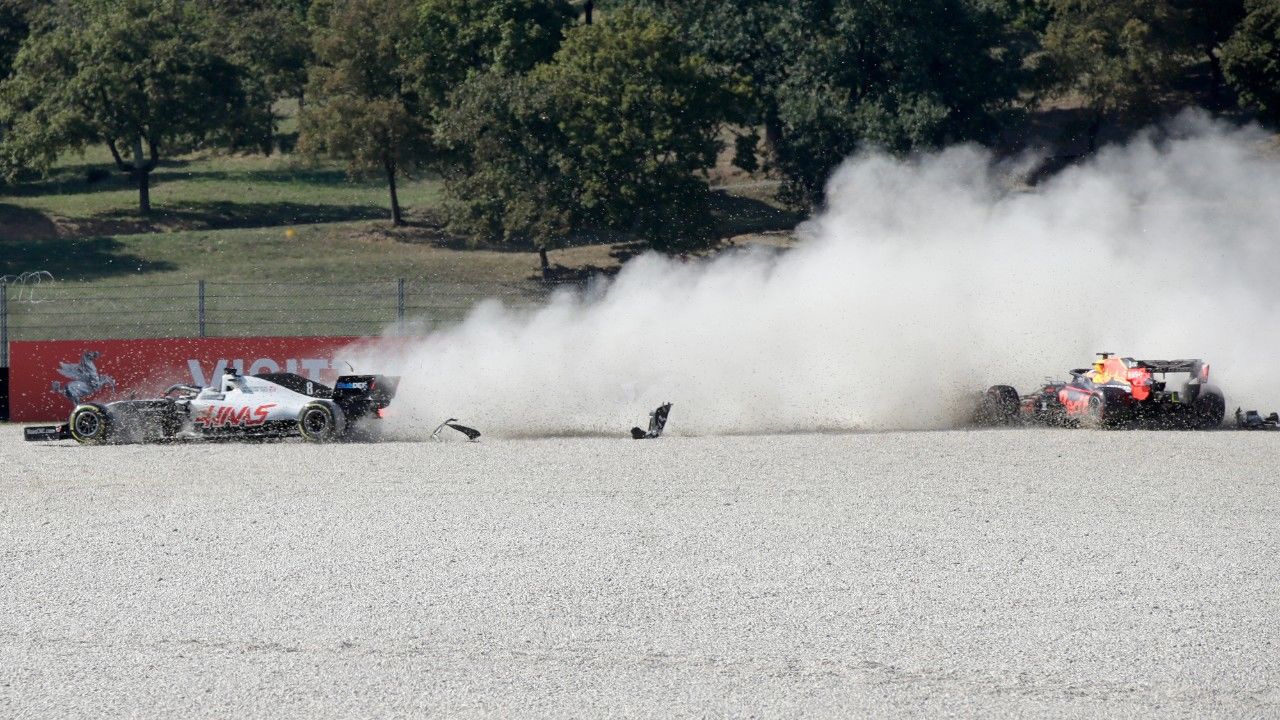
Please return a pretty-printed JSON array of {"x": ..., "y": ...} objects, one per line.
[{"x": 21, "y": 224}]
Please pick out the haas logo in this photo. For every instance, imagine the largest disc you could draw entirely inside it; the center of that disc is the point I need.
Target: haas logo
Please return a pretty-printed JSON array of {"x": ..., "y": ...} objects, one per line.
[{"x": 217, "y": 416}]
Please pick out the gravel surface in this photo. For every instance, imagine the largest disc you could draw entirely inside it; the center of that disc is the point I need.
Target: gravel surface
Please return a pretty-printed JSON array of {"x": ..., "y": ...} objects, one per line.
[{"x": 995, "y": 574}]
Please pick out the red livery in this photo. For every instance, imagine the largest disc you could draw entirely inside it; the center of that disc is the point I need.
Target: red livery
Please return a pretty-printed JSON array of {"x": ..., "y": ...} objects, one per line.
[{"x": 1114, "y": 392}]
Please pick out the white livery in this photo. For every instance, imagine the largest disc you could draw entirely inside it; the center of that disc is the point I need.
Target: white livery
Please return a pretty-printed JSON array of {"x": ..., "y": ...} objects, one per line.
[{"x": 265, "y": 405}]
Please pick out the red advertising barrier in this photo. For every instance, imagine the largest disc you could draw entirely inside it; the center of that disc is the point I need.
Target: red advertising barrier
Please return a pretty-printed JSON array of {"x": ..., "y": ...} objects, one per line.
[{"x": 47, "y": 377}]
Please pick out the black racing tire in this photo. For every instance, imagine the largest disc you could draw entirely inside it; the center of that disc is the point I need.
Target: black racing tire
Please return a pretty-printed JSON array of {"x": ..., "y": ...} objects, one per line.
[
  {"x": 999, "y": 406},
  {"x": 90, "y": 424},
  {"x": 318, "y": 422},
  {"x": 1208, "y": 410},
  {"x": 1095, "y": 415}
]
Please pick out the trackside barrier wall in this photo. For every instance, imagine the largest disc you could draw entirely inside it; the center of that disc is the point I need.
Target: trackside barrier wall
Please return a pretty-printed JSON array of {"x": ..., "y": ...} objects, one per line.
[
  {"x": 50, "y": 376},
  {"x": 36, "y": 309},
  {"x": 4, "y": 394}
]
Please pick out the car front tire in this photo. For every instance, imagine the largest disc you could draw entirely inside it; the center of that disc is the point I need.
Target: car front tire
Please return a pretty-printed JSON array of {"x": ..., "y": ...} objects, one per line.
[
  {"x": 90, "y": 425},
  {"x": 1000, "y": 405}
]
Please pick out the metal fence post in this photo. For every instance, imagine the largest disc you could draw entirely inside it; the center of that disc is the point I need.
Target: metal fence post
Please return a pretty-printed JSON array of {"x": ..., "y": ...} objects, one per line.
[
  {"x": 400, "y": 306},
  {"x": 4, "y": 324},
  {"x": 200, "y": 292}
]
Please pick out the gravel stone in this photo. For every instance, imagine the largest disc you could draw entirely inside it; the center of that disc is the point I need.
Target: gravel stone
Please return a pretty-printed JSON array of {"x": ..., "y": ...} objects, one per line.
[{"x": 1020, "y": 573}]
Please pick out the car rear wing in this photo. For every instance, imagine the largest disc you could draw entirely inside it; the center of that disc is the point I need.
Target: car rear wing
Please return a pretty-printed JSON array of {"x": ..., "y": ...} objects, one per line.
[
  {"x": 378, "y": 389},
  {"x": 1198, "y": 369}
]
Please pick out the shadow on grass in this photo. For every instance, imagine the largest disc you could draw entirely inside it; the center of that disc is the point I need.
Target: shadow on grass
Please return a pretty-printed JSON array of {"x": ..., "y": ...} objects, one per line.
[
  {"x": 734, "y": 215},
  {"x": 66, "y": 184},
  {"x": 558, "y": 275},
  {"x": 87, "y": 259},
  {"x": 306, "y": 176},
  {"x": 738, "y": 215},
  {"x": 85, "y": 178},
  {"x": 222, "y": 215}
]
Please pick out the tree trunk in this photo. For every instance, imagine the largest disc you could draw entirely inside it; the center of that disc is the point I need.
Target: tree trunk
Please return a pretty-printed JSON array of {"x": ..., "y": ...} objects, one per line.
[
  {"x": 772, "y": 135},
  {"x": 1092, "y": 132},
  {"x": 142, "y": 173},
  {"x": 1218, "y": 79},
  {"x": 396, "y": 218},
  {"x": 546, "y": 265},
  {"x": 139, "y": 170},
  {"x": 588, "y": 10},
  {"x": 144, "y": 190},
  {"x": 268, "y": 144}
]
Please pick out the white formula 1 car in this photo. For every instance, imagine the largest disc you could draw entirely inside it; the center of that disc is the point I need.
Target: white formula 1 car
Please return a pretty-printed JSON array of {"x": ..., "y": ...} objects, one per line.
[{"x": 257, "y": 406}]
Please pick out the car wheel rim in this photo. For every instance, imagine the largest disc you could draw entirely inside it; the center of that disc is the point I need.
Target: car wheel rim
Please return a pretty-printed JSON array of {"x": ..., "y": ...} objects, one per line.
[
  {"x": 87, "y": 424},
  {"x": 315, "y": 421}
]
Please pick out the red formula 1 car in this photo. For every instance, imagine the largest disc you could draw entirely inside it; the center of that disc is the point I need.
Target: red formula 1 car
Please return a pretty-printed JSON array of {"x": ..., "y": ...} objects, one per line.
[{"x": 1114, "y": 392}]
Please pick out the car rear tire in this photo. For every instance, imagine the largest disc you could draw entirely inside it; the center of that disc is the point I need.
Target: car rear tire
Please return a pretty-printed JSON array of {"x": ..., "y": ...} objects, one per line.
[
  {"x": 319, "y": 422},
  {"x": 1209, "y": 410},
  {"x": 90, "y": 425},
  {"x": 1095, "y": 414}
]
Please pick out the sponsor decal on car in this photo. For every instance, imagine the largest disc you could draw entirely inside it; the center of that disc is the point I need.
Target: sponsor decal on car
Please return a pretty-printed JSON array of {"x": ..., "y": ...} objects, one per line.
[{"x": 219, "y": 416}]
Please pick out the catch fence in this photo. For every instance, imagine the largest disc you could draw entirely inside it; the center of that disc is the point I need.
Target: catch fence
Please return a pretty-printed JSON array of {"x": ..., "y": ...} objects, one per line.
[{"x": 35, "y": 307}]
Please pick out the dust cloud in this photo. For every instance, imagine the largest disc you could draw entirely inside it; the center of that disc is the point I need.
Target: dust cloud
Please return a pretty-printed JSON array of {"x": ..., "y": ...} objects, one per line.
[{"x": 922, "y": 282}]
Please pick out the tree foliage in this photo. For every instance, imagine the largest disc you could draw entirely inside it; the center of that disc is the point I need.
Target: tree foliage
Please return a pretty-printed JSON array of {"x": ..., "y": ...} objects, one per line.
[
  {"x": 506, "y": 187},
  {"x": 546, "y": 128},
  {"x": 1126, "y": 57},
  {"x": 1207, "y": 24},
  {"x": 460, "y": 37},
  {"x": 1251, "y": 58},
  {"x": 823, "y": 77},
  {"x": 138, "y": 75},
  {"x": 362, "y": 105},
  {"x": 271, "y": 41},
  {"x": 897, "y": 74},
  {"x": 14, "y": 24},
  {"x": 610, "y": 134}
]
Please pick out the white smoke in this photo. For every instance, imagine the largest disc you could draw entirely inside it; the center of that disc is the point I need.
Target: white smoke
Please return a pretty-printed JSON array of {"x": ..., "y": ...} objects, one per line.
[{"x": 924, "y": 281}]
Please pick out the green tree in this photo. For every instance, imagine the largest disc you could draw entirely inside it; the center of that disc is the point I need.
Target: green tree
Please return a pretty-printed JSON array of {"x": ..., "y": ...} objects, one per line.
[
  {"x": 362, "y": 103},
  {"x": 460, "y": 37},
  {"x": 609, "y": 135},
  {"x": 137, "y": 75},
  {"x": 753, "y": 44},
  {"x": 822, "y": 77},
  {"x": 14, "y": 24},
  {"x": 898, "y": 74},
  {"x": 1120, "y": 56},
  {"x": 505, "y": 186},
  {"x": 1208, "y": 24},
  {"x": 1251, "y": 58},
  {"x": 271, "y": 41}
]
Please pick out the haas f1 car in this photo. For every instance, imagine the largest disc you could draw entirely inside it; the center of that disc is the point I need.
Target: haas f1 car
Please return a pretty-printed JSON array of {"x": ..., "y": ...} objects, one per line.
[
  {"x": 1114, "y": 392},
  {"x": 270, "y": 405}
]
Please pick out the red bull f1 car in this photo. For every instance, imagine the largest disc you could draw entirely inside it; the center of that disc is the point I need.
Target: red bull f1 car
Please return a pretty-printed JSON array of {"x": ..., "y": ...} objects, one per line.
[
  {"x": 238, "y": 406},
  {"x": 1114, "y": 392}
]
